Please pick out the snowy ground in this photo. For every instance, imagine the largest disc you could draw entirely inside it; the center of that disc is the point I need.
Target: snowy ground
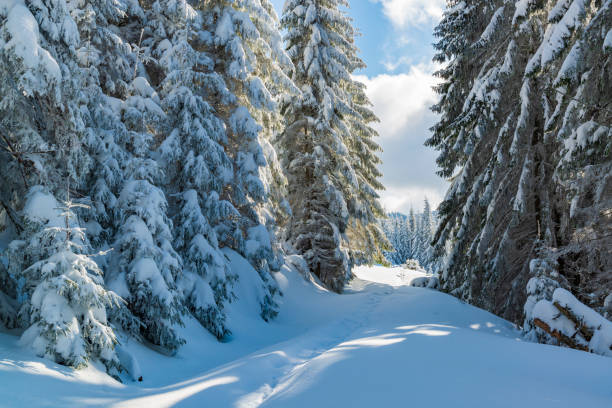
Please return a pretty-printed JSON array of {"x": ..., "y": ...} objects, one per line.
[{"x": 382, "y": 344}]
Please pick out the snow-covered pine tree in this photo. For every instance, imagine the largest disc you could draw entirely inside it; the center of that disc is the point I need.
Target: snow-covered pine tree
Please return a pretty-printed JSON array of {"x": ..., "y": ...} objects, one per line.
[
  {"x": 144, "y": 267},
  {"x": 314, "y": 143},
  {"x": 412, "y": 234},
  {"x": 402, "y": 242},
  {"x": 272, "y": 66},
  {"x": 584, "y": 129},
  {"x": 66, "y": 301},
  {"x": 473, "y": 139},
  {"x": 428, "y": 260},
  {"x": 197, "y": 169},
  {"x": 427, "y": 218},
  {"x": 247, "y": 52},
  {"x": 410, "y": 237},
  {"x": 107, "y": 65},
  {"x": 507, "y": 202},
  {"x": 418, "y": 240},
  {"x": 397, "y": 232},
  {"x": 406, "y": 240},
  {"x": 40, "y": 120},
  {"x": 364, "y": 207}
]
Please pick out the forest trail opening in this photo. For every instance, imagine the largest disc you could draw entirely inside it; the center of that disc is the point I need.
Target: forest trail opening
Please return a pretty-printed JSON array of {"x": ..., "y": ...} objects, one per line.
[{"x": 381, "y": 343}]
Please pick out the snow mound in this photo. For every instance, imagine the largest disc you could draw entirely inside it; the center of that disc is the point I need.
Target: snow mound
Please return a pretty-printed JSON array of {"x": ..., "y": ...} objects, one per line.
[
  {"x": 394, "y": 276},
  {"x": 372, "y": 346},
  {"x": 573, "y": 324}
]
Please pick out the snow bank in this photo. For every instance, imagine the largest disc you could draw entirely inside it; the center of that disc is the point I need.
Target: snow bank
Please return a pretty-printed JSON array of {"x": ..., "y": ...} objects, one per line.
[
  {"x": 573, "y": 324},
  {"x": 430, "y": 282},
  {"x": 379, "y": 344},
  {"x": 395, "y": 276}
]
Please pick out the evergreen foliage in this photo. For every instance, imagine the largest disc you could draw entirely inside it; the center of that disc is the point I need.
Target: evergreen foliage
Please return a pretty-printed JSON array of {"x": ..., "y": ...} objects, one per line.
[
  {"x": 325, "y": 133},
  {"x": 139, "y": 139},
  {"x": 365, "y": 236},
  {"x": 66, "y": 301},
  {"x": 245, "y": 44},
  {"x": 197, "y": 168},
  {"x": 524, "y": 133},
  {"x": 410, "y": 237}
]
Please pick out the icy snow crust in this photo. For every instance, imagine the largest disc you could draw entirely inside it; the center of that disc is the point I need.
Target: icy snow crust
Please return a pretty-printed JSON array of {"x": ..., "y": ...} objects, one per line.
[{"x": 381, "y": 344}]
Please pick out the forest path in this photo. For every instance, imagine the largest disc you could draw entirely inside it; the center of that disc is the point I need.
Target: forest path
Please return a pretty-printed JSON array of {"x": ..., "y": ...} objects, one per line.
[
  {"x": 402, "y": 346},
  {"x": 381, "y": 344},
  {"x": 258, "y": 377}
]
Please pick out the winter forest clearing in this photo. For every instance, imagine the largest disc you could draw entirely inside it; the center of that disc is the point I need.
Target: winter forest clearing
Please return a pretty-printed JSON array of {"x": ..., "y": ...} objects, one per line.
[
  {"x": 380, "y": 344},
  {"x": 220, "y": 203}
]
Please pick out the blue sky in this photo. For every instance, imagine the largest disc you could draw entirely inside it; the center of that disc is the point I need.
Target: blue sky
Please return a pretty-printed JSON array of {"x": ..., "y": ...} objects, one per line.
[{"x": 395, "y": 42}]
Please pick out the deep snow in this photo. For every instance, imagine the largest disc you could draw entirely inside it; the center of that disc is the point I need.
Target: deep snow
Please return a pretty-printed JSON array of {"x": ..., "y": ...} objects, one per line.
[{"x": 381, "y": 344}]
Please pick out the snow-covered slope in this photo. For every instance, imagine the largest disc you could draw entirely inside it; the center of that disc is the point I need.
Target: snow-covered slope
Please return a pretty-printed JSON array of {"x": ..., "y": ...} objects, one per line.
[{"x": 382, "y": 343}]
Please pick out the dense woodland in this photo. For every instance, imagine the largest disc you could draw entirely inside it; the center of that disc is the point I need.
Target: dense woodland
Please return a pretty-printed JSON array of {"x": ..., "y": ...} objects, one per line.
[
  {"x": 410, "y": 236},
  {"x": 525, "y": 104},
  {"x": 141, "y": 140}
]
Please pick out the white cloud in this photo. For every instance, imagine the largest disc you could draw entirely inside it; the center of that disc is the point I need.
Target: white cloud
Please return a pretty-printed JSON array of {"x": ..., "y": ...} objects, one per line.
[
  {"x": 404, "y": 13},
  {"x": 401, "y": 99},
  {"x": 402, "y": 198},
  {"x": 402, "y": 104}
]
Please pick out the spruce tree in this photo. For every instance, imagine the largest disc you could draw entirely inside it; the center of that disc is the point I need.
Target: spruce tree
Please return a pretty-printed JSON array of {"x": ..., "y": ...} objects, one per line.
[
  {"x": 107, "y": 64},
  {"x": 397, "y": 232},
  {"x": 364, "y": 206},
  {"x": 66, "y": 301},
  {"x": 41, "y": 123},
  {"x": 418, "y": 244},
  {"x": 246, "y": 54},
  {"x": 197, "y": 169},
  {"x": 145, "y": 266},
  {"x": 405, "y": 240},
  {"x": 273, "y": 66},
  {"x": 316, "y": 156},
  {"x": 509, "y": 198},
  {"x": 427, "y": 255},
  {"x": 412, "y": 235},
  {"x": 583, "y": 129}
]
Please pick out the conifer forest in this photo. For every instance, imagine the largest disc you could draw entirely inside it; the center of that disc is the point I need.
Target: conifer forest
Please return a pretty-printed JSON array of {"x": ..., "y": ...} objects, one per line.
[{"x": 227, "y": 203}]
